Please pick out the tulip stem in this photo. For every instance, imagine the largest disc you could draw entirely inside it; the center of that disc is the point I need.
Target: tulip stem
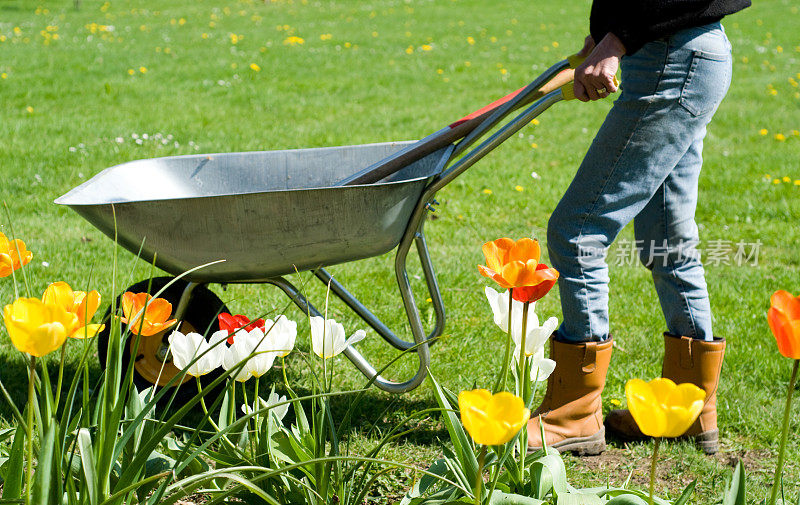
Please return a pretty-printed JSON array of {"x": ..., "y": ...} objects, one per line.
[
  {"x": 479, "y": 477},
  {"x": 523, "y": 389},
  {"x": 653, "y": 469},
  {"x": 61, "y": 371},
  {"x": 784, "y": 434},
  {"x": 29, "y": 475},
  {"x": 500, "y": 385},
  {"x": 210, "y": 420}
]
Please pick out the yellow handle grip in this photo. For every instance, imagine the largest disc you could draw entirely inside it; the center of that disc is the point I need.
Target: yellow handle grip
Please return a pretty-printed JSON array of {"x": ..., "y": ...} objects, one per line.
[
  {"x": 568, "y": 93},
  {"x": 575, "y": 60}
]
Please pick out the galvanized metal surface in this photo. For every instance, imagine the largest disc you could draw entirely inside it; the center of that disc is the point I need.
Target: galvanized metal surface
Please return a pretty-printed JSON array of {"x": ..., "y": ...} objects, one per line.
[
  {"x": 271, "y": 213},
  {"x": 264, "y": 213}
]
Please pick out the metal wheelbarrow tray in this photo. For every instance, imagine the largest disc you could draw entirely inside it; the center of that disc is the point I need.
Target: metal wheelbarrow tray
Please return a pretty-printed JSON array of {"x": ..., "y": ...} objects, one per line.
[{"x": 272, "y": 213}]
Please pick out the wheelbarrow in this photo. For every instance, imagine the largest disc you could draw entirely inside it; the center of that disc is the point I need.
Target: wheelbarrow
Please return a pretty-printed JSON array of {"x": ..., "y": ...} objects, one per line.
[{"x": 272, "y": 213}]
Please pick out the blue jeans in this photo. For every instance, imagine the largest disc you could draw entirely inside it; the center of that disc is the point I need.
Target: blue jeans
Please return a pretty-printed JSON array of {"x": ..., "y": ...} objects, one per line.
[{"x": 644, "y": 165}]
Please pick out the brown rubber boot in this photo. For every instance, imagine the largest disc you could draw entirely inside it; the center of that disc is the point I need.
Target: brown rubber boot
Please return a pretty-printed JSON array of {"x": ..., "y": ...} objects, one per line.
[
  {"x": 571, "y": 411},
  {"x": 685, "y": 360}
]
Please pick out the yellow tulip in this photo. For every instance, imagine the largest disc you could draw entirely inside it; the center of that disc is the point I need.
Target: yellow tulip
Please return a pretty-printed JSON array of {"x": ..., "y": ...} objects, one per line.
[
  {"x": 10, "y": 259},
  {"x": 492, "y": 419},
  {"x": 38, "y": 328},
  {"x": 663, "y": 409},
  {"x": 79, "y": 303}
]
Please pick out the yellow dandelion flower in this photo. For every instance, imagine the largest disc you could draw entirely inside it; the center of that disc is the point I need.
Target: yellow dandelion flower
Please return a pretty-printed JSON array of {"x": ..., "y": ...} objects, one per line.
[
  {"x": 615, "y": 402},
  {"x": 779, "y": 49},
  {"x": 17, "y": 30},
  {"x": 212, "y": 24},
  {"x": 503, "y": 71},
  {"x": 374, "y": 34},
  {"x": 234, "y": 65},
  {"x": 487, "y": 191},
  {"x": 534, "y": 145},
  {"x": 786, "y": 178},
  {"x": 467, "y": 64},
  {"x": 204, "y": 35},
  {"x": 773, "y": 92},
  {"x": 519, "y": 188},
  {"x": 796, "y": 133},
  {"x": 763, "y": 131},
  {"x": 470, "y": 41},
  {"x": 493, "y": 39},
  {"x": 4, "y": 76},
  {"x": 776, "y": 181},
  {"x": 780, "y": 137},
  {"x": 167, "y": 50},
  {"x": 439, "y": 71},
  {"x": 293, "y": 40},
  {"x": 409, "y": 49},
  {"x": 797, "y": 182},
  {"x": 426, "y": 47},
  {"x": 3, "y": 38},
  {"x": 348, "y": 45},
  {"x": 555, "y": 44},
  {"x": 534, "y": 121},
  {"x": 131, "y": 71},
  {"x": 792, "y": 82},
  {"x": 182, "y": 21},
  {"x": 745, "y": 59},
  {"x": 143, "y": 70},
  {"x": 173, "y": 21},
  {"x": 29, "y": 109},
  {"x": 254, "y": 67}
]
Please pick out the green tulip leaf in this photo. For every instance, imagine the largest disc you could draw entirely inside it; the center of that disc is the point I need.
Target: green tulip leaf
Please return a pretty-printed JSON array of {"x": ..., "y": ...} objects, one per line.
[
  {"x": 501, "y": 498},
  {"x": 683, "y": 499},
  {"x": 627, "y": 499},
  {"x": 735, "y": 495}
]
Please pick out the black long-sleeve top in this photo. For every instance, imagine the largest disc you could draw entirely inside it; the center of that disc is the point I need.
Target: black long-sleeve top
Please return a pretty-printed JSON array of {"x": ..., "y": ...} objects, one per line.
[{"x": 637, "y": 22}]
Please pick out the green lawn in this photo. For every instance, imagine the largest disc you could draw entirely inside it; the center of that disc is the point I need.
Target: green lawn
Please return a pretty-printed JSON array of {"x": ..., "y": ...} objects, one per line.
[{"x": 78, "y": 87}]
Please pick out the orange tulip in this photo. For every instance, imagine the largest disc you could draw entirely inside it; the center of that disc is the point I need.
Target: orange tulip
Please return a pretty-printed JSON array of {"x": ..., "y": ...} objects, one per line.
[
  {"x": 156, "y": 315},
  {"x": 79, "y": 303},
  {"x": 10, "y": 260},
  {"x": 784, "y": 321},
  {"x": 514, "y": 264}
]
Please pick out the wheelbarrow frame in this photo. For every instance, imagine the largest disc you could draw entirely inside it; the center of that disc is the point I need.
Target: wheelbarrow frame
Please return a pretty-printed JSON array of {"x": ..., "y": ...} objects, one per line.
[
  {"x": 414, "y": 235},
  {"x": 453, "y": 160}
]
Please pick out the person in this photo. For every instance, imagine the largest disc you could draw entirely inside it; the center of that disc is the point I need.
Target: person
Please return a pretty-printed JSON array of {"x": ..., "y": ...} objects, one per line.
[{"x": 643, "y": 165}]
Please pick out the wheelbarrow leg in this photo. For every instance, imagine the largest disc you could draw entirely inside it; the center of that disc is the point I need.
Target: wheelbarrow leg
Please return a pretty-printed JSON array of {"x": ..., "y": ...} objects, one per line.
[{"x": 352, "y": 354}]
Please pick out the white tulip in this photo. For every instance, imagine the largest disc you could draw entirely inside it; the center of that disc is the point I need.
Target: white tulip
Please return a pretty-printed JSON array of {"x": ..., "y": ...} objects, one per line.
[
  {"x": 536, "y": 335},
  {"x": 327, "y": 337},
  {"x": 281, "y": 335},
  {"x": 541, "y": 367},
  {"x": 185, "y": 348},
  {"x": 279, "y": 412},
  {"x": 244, "y": 344}
]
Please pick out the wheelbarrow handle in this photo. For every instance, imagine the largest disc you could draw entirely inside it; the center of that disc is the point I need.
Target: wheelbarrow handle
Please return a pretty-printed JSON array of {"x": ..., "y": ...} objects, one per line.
[{"x": 471, "y": 126}]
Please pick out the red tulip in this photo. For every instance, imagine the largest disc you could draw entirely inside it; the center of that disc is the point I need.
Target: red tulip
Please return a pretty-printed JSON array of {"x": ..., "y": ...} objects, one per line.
[
  {"x": 533, "y": 293},
  {"x": 232, "y": 323}
]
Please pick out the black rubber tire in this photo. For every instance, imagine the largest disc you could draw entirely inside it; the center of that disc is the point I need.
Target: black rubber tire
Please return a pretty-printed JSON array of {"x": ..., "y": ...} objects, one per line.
[{"x": 201, "y": 313}]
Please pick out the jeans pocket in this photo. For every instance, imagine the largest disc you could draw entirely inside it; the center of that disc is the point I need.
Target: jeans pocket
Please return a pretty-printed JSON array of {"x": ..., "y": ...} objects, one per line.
[{"x": 706, "y": 82}]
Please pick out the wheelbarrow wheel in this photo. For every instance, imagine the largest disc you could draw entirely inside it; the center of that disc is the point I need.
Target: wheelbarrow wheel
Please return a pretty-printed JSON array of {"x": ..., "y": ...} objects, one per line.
[{"x": 149, "y": 368}]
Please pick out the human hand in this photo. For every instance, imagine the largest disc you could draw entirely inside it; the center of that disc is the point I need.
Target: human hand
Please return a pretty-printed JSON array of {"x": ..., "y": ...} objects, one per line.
[
  {"x": 594, "y": 78},
  {"x": 588, "y": 45}
]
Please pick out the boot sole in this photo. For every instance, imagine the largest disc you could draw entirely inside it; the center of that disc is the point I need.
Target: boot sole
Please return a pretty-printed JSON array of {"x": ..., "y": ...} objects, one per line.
[
  {"x": 708, "y": 441},
  {"x": 581, "y": 446}
]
